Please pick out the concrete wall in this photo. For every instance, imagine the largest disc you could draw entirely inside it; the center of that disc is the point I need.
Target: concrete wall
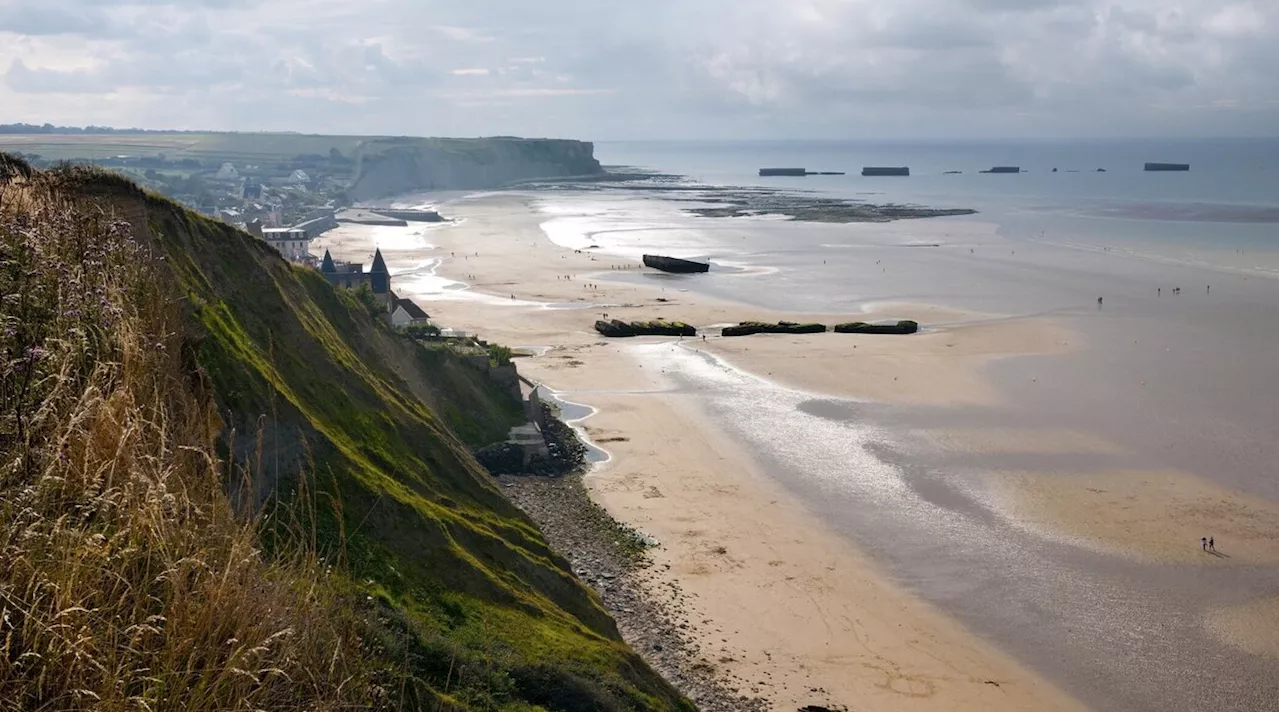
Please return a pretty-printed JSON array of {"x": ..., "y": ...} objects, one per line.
[{"x": 317, "y": 226}]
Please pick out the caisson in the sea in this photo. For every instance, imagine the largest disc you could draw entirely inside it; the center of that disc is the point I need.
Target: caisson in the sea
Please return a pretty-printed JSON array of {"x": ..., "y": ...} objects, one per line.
[{"x": 675, "y": 264}]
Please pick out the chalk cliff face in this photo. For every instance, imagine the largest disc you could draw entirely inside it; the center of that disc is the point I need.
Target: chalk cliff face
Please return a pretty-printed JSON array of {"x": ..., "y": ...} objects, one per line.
[{"x": 392, "y": 166}]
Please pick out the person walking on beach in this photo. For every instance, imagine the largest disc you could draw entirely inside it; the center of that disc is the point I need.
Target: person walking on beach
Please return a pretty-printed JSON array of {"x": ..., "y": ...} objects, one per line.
[
  {"x": 1211, "y": 544},
  {"x": 1204, "y": 543}
]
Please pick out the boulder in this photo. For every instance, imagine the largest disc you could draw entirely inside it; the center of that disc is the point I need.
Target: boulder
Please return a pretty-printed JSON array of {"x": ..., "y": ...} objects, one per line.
[
  {"x": 501, "y": 459},
  {"x": 905, "y": 326}
]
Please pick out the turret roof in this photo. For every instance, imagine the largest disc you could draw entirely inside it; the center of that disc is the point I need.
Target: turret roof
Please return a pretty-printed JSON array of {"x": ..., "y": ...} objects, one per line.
[
  {"x": 327, "y": 265},
  {"x": 379, "y": 266}
]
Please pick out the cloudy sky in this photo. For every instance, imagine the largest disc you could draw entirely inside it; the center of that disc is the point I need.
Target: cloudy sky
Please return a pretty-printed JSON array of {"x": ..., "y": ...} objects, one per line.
[{"x": 648, "y": 68}]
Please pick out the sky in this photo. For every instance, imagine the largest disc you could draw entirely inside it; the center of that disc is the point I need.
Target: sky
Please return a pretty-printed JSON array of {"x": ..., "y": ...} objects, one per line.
[{"x": 648, "y": 69}]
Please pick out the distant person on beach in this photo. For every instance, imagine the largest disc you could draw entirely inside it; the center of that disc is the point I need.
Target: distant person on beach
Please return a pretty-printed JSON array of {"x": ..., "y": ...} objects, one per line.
[
  {"x": 1211, "y": 544},
  {"x": 1204, "y": 543},
  {"x": 1099, "y": 301}
]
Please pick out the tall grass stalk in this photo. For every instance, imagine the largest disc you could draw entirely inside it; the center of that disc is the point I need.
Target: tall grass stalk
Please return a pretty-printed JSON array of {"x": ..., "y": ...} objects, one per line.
[{"x": 127, "y": 579}]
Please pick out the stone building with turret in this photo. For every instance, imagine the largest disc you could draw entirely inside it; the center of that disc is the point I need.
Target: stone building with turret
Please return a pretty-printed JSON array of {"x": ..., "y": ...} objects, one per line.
[{"x": 352, "y": 275}]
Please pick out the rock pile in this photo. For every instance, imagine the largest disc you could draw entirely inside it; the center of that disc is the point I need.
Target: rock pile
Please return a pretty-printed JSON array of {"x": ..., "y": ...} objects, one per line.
[
  {"x": 501, "y": 458},
  {"x": 566, "y": 453}
]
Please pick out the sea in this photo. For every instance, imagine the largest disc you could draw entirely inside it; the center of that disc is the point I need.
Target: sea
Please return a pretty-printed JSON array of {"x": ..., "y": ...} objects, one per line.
[{"x": 1167, "y": 282}]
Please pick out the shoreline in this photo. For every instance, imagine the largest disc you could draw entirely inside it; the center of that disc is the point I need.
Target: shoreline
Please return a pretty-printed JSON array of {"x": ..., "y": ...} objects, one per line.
[
  {"x": 859, "y": 634},
  {"x": 608, "y": 557}
]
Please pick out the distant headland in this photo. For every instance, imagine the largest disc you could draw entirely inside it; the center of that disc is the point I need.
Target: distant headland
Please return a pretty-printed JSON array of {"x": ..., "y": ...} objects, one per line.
[{"x": 283, "y": 178}]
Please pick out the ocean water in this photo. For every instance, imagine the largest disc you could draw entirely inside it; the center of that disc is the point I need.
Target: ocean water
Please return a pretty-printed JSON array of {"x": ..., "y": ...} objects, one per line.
[
  {"x": 1221, "y": 212},
  {"x": 1184, "y": 382},
  {"x": 1226, "y": 171}
]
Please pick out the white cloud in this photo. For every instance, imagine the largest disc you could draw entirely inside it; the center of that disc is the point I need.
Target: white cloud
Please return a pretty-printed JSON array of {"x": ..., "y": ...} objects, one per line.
[{"x": 664, "y": 68}]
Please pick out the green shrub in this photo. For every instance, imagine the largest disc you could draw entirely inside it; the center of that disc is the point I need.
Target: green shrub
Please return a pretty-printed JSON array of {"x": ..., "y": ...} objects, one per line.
[
  {"x": 370, "y": 301},
  {"x": 421, "y": 331},
  {"x": 500, "y": 355}
]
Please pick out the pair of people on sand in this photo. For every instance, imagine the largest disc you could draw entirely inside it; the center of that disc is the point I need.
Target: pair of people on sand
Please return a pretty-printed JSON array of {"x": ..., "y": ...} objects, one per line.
[{"x": 1207, "y": 544}]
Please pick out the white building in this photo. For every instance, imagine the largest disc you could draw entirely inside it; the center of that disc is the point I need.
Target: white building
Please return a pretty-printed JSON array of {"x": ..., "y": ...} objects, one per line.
[
  {"x": 227, "y": 172},
  {"x": 292, "y": 242},
  {"x": 406, "y": 313}
]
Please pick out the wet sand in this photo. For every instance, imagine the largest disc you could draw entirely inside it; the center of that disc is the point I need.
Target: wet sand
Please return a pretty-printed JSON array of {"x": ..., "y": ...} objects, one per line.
[
  {"x": 938, "y": 366},
  {"x": 1115, "y": 512},
  {"x": 1251, "y": 627}
]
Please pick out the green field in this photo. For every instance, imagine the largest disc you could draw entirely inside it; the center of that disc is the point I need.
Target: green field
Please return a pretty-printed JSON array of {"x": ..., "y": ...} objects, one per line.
[
  {"x": 204, "y": 146},
  {"x": 217, "y": 147}
]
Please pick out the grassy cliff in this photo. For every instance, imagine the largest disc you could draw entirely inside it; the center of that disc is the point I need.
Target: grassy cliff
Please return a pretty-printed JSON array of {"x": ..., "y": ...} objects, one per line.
[{"x": 225, "y": 485}]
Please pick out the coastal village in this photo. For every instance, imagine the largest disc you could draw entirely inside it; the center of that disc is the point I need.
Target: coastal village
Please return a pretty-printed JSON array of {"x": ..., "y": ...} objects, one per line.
[
  {"x": 294, "y": 244},
  {"x": 268, "y": 195}
]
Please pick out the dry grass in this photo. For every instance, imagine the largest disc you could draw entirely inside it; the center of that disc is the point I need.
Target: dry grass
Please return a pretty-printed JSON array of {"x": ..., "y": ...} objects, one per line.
[{"x": 127, "y": 580}]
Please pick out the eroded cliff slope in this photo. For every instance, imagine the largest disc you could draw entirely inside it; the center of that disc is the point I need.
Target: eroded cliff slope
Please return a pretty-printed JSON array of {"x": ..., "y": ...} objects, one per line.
[{"x": 390, "y": 166}]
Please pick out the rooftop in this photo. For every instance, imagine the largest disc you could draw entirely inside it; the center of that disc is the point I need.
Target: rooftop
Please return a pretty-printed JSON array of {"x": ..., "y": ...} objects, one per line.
[{"x": 412, "y": 309}]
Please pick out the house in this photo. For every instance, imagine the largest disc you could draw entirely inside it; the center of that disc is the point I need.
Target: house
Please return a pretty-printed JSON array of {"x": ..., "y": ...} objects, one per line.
[
  {"x": 227, "y": 172},
  {"x": 352, "y": 275},
  {"x": 406, "y": 313},
  {"x": 299, "y": 176},
  {"x": 293, "y": 243}
]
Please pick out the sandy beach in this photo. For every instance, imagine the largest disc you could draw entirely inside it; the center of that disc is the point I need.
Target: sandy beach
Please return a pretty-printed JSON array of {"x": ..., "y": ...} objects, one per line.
[
  {"x": 789, "y": 590},
  {"x": 790, "y": 608}
]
